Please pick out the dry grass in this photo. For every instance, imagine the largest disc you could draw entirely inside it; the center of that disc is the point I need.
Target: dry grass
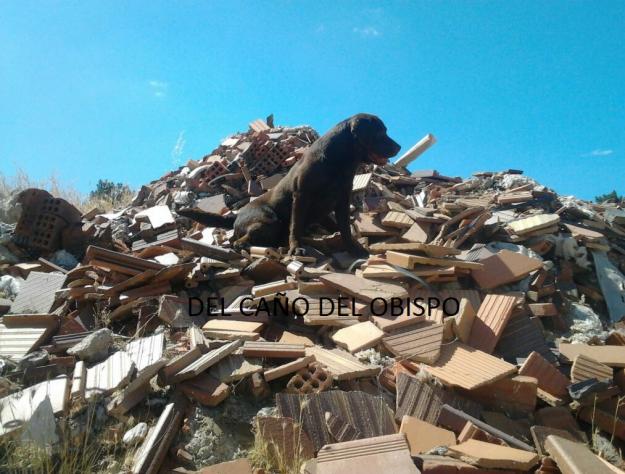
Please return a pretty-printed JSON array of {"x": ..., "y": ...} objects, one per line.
[
  {"x": 273, "y": 457},
  {"x": 10, "y": 185},
  {"x": 85, "y": 451}
]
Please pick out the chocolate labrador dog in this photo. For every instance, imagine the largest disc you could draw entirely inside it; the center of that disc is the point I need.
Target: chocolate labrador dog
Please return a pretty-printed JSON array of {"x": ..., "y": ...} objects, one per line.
[{"x": 319, "y": 183}]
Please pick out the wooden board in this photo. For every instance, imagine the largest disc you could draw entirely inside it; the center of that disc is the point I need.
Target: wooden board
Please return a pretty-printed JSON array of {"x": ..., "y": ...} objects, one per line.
[{"x": 362, "y": 288}]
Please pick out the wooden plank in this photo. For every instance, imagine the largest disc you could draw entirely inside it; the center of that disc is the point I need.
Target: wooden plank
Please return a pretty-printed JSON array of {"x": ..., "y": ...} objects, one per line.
[
  {"x": 612, "y": 356},
  {"x": 341, "y": 364},
  {"x": 362, "y": 288},
  {"x": 409, "y": 247},
  {"x": 119, "y": 260},
  {"x": 409, "y": 261},
  {"x": 534, "y": 223},
  {"x": 397, "y": 219},
  {"x": 149, "y": 457},
  {"x": 289, "y": 368},
  {"x": 273, "y": 349},
  {"x": 206, "y": 361}
]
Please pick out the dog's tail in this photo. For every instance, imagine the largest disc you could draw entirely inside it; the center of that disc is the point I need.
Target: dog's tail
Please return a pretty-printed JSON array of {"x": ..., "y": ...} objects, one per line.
[{"x": 208, "y": 219}]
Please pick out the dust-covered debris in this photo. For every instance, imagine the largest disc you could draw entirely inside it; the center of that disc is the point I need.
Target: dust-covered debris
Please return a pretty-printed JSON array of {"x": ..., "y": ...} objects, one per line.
[{"x": 164, "y": 339}]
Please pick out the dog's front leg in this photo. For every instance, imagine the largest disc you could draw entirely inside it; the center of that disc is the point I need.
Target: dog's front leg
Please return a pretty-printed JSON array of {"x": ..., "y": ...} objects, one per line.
[
  {"x": 341, "y": 212},
  {"x": 299, "y": 210}
]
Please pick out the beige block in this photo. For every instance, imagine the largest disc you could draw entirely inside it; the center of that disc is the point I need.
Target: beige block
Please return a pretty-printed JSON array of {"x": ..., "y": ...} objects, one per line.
[
  {"x": 231, "y": 325},
  {"x": 358, "y": 336}
]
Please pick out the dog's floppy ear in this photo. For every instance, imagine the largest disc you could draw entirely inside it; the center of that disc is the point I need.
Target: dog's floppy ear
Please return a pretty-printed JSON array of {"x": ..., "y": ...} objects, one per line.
[{"x": 355, "y": 126}]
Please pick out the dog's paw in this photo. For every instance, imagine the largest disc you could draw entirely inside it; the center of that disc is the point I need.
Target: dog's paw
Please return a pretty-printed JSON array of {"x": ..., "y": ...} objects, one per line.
[{"x": 296, "y": 252}]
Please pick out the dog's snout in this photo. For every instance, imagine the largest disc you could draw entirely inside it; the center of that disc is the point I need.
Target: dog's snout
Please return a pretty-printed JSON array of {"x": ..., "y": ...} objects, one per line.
[
  {"x": 391, "y": 147},
  {"x": 395, "y": 147}
]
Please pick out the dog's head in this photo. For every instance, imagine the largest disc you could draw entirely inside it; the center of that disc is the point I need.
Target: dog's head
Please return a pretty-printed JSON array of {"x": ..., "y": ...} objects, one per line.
[{"x": 370, "y": 133}]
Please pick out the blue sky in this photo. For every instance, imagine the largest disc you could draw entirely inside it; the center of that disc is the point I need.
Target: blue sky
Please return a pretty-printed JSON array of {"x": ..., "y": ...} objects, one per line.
[{"x": 128, "y": 90}]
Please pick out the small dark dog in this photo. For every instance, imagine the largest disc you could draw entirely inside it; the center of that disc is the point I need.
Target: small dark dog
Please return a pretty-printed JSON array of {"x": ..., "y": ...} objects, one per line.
[{"x": 321, "y": 182}]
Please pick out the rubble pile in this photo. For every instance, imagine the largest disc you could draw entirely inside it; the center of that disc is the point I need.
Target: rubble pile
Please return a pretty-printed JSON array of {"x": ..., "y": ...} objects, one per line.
[{"x": 484, "y": 333}]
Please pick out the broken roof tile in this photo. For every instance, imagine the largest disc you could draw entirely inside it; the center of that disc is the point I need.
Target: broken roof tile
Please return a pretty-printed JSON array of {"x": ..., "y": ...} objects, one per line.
[
  {"x": 341, "y": 364},
  {"x": 16, "y": 342},
  {"x": 493, "y": 456},
  {"x": 504, "y": 267},
  {"x": 521, "y": 336},
  {"x": 109, "y": 375},
  {"x": 368, "y": 456},
  {"x": 463, "y": 366},
  {"x": 146, "y": 351},
  {"x": 490, "y": 321},
  {"x": 17, "y": 408},
  {"x": 37, "y": 293},
  {"x": 419, "y": 341},
  {"x": 362, "y": 288},
  {"x": 368, "y": 414},
  {"x": 423, "y": 436},
  {"x": 550, "y": 379},
  {"x": 573, "y": 457},
  {"x": 206, "y": 361},
  {"x": 585, "y": 368},
  {"x": 424, "y": 401}
]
